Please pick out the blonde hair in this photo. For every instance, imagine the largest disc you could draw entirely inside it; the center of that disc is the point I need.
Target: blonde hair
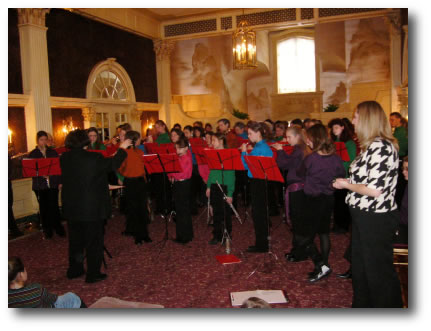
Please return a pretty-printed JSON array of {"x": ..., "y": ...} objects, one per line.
[
  {"x": 297, "y": 131},
  {"x": 372, "y": 123}
]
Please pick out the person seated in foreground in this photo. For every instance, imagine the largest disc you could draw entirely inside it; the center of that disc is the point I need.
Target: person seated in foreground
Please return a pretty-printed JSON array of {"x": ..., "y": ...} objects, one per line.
[
  {"x": 23, "y": 295},
  {"x": 255, "y": 302}
]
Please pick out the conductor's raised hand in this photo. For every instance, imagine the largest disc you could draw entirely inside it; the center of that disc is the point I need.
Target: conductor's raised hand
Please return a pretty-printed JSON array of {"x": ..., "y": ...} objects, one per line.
[
  {"x": 278, "y": 147},
  {"x": 244, "y": 148}
]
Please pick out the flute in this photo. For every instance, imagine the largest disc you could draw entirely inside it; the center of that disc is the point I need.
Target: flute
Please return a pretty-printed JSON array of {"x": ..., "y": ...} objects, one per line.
[{"x": 230, "y": 205}]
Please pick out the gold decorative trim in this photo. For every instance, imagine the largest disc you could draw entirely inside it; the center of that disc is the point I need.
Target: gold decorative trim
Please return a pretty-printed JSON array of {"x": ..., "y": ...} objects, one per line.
[{"x": 163, "y": 49}]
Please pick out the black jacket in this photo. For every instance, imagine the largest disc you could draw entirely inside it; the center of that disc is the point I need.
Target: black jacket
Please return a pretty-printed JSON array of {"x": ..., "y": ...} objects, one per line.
[{"x": 85, "y": 193}]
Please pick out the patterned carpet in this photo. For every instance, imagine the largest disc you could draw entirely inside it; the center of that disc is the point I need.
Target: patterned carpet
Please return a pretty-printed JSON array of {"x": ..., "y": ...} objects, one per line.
[{"x": 188, "y": 276}]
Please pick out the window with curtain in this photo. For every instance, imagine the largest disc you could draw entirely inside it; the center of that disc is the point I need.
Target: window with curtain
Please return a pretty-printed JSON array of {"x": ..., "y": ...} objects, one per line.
[{"x": 296, "y": 69}]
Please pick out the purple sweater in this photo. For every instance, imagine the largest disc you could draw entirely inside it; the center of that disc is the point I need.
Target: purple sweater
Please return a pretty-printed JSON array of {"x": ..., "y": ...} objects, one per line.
[
  {"x": 318, "y": 172},
  {"x": 291, "y": 163}
]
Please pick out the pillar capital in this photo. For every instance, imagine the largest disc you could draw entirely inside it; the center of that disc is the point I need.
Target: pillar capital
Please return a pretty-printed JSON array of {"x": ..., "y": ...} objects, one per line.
[
  {"x": 393, "y": 20},
  {"x": 89, "y": 114},
  {"x": 163, "y": 49},
  {"x": 33, "y": 16}
]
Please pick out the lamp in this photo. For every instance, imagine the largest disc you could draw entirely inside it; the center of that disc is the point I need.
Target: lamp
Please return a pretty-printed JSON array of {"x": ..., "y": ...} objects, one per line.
[{"x": 244, "y": 47}]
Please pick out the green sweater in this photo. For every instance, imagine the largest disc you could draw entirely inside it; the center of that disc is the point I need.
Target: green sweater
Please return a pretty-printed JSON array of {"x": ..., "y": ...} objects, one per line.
[
  {"x": 351, "y": 150},
  {"x": 227, "y": 179},
  {"x": 401, "y": 134},
  {"x": 163, "y": 138},
  {"x": 102, "y": 147}
]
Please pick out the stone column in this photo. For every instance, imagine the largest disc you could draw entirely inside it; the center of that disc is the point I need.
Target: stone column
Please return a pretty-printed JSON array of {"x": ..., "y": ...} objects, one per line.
[
  {"x": 393, "y": 20},
  {"x": 35, "y": 71},
  {"x": 163, "y": 50}
]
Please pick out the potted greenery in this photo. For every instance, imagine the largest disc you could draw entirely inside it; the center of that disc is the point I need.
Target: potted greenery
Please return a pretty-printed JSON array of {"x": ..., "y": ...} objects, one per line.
[{"x": 239, "y": 114}]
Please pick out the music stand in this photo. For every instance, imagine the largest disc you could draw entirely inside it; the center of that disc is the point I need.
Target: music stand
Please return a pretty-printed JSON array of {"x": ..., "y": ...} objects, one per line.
[
  {"x": 225, "y": 159},
  {"x": 198, "y": 151},
  {"x": 287, "y": 149},
  {"x": 162, "y": 163},
  {"x": 263, "y": 167},
  {"x": 38, "y": 168}
]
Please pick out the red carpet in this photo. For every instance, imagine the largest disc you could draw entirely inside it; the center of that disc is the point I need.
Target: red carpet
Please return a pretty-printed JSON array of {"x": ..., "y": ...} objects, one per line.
[{"x": 188, "y": 276}]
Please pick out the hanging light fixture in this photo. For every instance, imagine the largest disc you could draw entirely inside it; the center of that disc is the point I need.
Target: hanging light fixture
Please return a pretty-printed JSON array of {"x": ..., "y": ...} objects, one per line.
[{"x": 244, "y": 47}]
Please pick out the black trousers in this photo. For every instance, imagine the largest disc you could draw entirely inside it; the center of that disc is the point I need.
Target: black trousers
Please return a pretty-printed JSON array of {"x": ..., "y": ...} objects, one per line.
[
  {"x": 49, "y": 211},
  {"x": 342, "y": 218},
  {"x": 136, "y": 196},
  {"x": 86, "y": 240},
  {"x": 317, "y": 221},
  {"x": 162, "y": 192},
  {"x": 259, "y": 205},
  {"x": 297, "y": 209},
  {"x": 222, "y": 212},
  {"x": 184, "y": 225},
  {"x": 241, "y": 187},
  {"x": 375, "y": 281}
]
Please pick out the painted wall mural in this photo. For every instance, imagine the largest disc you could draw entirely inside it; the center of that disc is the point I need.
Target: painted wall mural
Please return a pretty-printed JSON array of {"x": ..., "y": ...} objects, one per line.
[{"x": 350, "y": 53}]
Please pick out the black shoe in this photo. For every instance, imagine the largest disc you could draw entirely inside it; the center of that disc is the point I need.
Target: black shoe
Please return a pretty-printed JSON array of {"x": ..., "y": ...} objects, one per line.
[
  {"x": 127, "y": 233},
  {"x": 346, "y": 275},
  {"x": 16, "y": 233},
  {"x": 214, "y": 241},
  {"x": 292, "y": 258},
  {"x": 71, "y": 274},
  {"x": 94, "y": 279},
  {"x": 147, "y": 239},
  {"x": 60, "y": 232},
  {"x": 324, "y": 271},
  {"x": 138, "y": 242},
  {"x": 256, "y": 249},
  {"x": 181, "y": 241},
  {"x": 47, "y": 235},
  {"x": 314, "y": 273}
]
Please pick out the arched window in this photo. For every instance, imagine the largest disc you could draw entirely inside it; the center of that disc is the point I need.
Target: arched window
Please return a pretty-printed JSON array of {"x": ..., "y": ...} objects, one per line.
[
  {"x": 107, "y": 85},
  {"x": 295, "y": 61},
  {"x": 109, "y": 81}
]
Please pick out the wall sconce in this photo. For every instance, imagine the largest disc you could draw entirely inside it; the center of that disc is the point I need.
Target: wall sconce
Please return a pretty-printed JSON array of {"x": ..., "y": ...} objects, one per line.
[{"x": 9, "y": 133}]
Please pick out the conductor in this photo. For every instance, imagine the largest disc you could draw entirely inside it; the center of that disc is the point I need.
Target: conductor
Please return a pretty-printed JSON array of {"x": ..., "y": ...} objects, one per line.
[{"x": 86, "y": 202}]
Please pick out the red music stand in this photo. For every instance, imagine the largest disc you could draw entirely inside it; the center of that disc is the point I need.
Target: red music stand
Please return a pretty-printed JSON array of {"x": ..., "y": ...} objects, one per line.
[
  {"x": 341, "y": 150},
  {"x": 162, "y": 163},
  {"x": 105, "y": 153},
  {"x": 200, "y": 155},
  {"x": 61, "y": 150},
  {"x": 224, "y": 159},
  {"x": 264, "y": 167},
  {"x": 110, "y": 150},
  {"x": 149, "y": 147},
  {"x": 194, "y": 142},
  {"x": 41, "y": 167}
]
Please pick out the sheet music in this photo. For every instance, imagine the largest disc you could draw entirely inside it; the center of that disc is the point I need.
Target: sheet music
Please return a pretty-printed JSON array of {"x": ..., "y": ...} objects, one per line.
[{"x": 270, "y": 296}]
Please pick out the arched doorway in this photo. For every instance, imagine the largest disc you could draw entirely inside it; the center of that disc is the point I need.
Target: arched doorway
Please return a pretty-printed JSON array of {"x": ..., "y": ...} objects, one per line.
[{"x": 111, "y": 93}]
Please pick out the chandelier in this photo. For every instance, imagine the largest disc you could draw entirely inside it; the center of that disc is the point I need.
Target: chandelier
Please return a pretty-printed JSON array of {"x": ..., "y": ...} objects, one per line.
[{"x": 244, "y": 47}]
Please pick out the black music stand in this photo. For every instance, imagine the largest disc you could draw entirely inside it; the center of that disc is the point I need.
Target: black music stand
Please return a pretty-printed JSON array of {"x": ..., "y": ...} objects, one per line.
[
  {"x": 263, "y": 167},
  {"x": 162, "y": 163},
  {"x": 38, "y": 168},
  {"x": 225, "y": 159}
]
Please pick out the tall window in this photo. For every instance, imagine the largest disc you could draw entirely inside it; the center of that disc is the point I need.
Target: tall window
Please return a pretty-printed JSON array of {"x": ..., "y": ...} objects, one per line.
[{"x": 296, "y": 68}]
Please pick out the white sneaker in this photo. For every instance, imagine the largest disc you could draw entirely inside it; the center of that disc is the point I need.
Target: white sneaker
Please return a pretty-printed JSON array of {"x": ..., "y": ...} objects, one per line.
[{"x": 325, "y": 271}]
